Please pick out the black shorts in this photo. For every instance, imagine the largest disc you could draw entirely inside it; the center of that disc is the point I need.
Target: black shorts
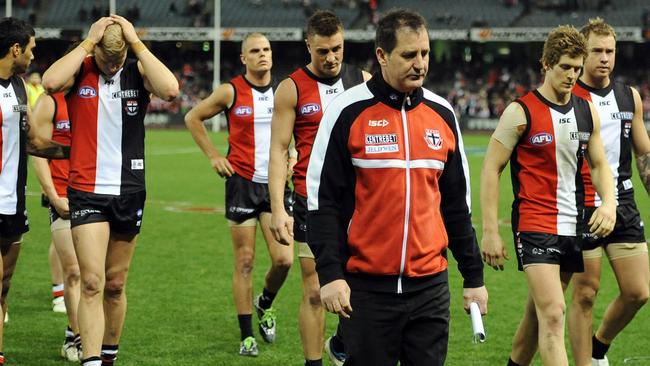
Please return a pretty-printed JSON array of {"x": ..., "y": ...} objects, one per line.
[
  {"x": 299, "y": 218},
  {"x": 628, "y": 228},
  {"x": 54, "y": 214},
  {"x": 246, "y": 199},
  {"x": 122, "y": 212},
  {"x": 535, "y": 248},
  {"x": 13, "y": 225}
]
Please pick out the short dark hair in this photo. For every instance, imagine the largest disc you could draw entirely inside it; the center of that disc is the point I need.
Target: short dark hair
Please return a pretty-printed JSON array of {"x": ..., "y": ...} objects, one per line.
[
  {"x": 386, "y": 35},
  {"x": 14, "y": 31},
  {"x": 323, "y": 23}
]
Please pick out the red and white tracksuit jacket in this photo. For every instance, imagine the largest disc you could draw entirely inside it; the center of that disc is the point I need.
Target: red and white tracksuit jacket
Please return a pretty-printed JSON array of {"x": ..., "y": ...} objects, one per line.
[{"x": 388, "y": 191}]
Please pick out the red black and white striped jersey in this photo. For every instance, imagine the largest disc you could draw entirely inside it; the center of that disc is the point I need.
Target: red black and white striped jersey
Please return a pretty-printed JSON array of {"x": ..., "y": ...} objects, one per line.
[
  {"x": 615, "y": 106},
  {"x": 314, "y": 95},
  {"x": 60, "y": 168},
  {"x": 13, "y": 137},
  {"x": 249, "y": 129},
  {"x": 545, "y": 165},
  {"x": 107, "y": 118}
]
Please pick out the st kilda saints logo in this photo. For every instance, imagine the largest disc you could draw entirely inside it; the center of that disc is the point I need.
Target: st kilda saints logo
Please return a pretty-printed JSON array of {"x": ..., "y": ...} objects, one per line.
[
  {"x": 131, "y": 107},
  {"x": 433, "y": 139}
]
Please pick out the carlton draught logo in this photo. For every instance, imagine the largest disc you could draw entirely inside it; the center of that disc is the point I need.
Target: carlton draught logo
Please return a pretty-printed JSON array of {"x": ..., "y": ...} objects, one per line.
[
  {"x": 541, "y": 139},
  {"x": 243, "y": 111},
  {"x": 87, "y": 92},
  {"x": 309, "y": 109}
]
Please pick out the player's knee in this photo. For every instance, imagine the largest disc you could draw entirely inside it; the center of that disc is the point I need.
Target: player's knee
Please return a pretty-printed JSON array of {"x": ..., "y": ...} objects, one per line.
[
  {"x": 245, "y": 264},
  {"x": 114, "y": 289},
  {"x": 585, "y": 296},
  {"x": 283, "y": 264},
  {"x": 552, "y": 315},
  {"x": 72, "y": 276},
  {"x": 91, "y": 285},
  {"x": 637, "y": 297}
]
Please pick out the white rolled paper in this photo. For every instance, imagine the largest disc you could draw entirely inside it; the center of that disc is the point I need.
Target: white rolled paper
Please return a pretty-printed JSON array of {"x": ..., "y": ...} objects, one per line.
[{"x": 478, "y": 333}]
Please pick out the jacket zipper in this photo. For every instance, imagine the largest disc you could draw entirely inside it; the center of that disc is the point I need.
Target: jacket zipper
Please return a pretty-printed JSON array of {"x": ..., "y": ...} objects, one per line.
[{"x": 407, "y": 208}]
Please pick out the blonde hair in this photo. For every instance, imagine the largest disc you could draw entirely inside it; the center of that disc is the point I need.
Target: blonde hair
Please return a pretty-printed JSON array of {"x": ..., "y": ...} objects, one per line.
[
  {"x": 563, "y": 40},
  {"x": 598, "y": 27},
  {"x": 113, "y": 43}
]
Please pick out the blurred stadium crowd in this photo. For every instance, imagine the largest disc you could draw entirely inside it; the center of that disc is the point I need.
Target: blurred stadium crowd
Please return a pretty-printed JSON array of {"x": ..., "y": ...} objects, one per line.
[{"x": 478, "y": 79}]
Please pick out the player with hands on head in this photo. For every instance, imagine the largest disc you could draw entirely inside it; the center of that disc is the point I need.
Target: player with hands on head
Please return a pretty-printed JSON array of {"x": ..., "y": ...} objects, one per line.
[{"x": 107, "y": 99}]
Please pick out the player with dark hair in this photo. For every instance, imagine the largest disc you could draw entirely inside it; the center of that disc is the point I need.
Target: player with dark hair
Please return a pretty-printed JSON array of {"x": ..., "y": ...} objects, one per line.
[{"x": 299, "y": 104}]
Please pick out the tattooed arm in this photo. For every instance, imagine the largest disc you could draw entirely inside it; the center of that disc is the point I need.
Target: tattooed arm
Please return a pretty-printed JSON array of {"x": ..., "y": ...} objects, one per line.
[{"x": 641, "y": 142}]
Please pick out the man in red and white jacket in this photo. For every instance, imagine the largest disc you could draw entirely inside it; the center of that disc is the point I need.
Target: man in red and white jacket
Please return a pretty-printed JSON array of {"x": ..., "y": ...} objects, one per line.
[{"x": 388, "y": 192}]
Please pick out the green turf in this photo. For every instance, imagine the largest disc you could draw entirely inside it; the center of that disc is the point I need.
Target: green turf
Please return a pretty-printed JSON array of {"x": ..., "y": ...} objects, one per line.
[{"x": 180, "y": 306}]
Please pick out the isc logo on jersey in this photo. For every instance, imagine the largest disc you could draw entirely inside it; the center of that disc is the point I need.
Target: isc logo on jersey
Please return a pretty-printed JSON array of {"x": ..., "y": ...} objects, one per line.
[
  {"x": 243, "y": 110},
  {"x": 309, "y": 109},
  {"x": 62, "y": 126},
  {"x": 378, "y": 123},
  {"x": 87, "y": 92},
  {"x": 541, "y": 139}
]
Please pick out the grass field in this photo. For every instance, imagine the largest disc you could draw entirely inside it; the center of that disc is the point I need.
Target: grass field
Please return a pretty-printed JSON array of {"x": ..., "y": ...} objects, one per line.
[{"x": 180, "y": 307}]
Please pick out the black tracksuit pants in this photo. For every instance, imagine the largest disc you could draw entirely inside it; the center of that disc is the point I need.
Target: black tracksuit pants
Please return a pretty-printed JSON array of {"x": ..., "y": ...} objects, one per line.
[{"x": 385, "y": 328}]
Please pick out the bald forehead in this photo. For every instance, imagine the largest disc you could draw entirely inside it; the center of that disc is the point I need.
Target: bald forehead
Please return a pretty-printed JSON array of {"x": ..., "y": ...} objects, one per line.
[{"x": 256, "y": 40}]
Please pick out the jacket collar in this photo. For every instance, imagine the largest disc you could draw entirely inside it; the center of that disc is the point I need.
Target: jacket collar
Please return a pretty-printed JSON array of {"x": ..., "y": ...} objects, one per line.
[{"x": 391, "y": 97}]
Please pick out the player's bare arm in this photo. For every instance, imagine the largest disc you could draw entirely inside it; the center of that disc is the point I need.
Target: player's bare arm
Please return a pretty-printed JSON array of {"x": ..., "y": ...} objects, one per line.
[
  {"x": 640, "y": 141},
  {"x": 39, "y": 131},
  {"x": 603, "y": 219},
  {"x": 42, "y": 115},
  {"x": 217, "y": 102},
  {"x": 60, "y": 76},
  {"x": 284, "y": 117},
  {"x": 44, "y": 175},
  {"x": 511, "y": 126}
]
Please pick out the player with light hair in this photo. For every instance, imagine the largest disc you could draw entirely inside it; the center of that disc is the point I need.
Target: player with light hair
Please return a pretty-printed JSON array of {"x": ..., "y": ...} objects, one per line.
[
  {"x": 623, "y": 132},
  {"x": 545, "y": 135},
  {"x": 107, "y": 99}
]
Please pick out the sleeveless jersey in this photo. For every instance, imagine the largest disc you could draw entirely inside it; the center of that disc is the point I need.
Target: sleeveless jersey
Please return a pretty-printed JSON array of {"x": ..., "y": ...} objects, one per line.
[
  {"x": 107, "y": 119},
  {"x": 60, "y": 168},
  {"x": 615, "y": 106},
  {"x": 249, "y": 129},
  {"x": 545, "y": 166},
  {"x": 314, "y": 95},
  {"x": 13, "y": 137}
]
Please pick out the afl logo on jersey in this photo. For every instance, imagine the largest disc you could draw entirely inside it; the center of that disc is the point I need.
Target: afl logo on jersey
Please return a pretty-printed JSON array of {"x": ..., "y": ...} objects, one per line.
[
  {"x": 87, "y": 92},
  {"x": 309, "y": 109},
  {"x": 131, "y": 107},
  {"x": 63, "y": 126},
  {"x": 541, "y": 139},
  {"x": 243, "y": 111}
]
